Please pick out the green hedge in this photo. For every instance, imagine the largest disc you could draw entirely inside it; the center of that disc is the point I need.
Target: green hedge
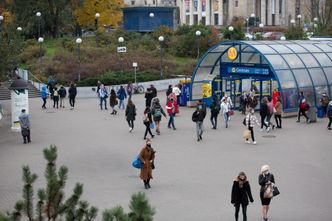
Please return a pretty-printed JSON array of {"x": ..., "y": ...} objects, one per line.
[{"x": 114, "y": 78}]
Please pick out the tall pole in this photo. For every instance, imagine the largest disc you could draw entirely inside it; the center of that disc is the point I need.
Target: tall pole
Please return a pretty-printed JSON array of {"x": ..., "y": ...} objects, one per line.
[
  {"x": 38, "y": 14},
  {"x": 97, "y": 15},
  {"x": 198, "y": 34},
  {"x": 121, "y": 40},
  {"x": 78, "y": 42},
  {"x": 161, "y": 39},
  {"x": 1, "y": 20},
  {"x": 40, "y": 41}
]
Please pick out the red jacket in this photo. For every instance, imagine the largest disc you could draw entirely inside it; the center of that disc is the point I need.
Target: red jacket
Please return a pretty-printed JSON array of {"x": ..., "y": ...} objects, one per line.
[{"x": 170, "y": 107}]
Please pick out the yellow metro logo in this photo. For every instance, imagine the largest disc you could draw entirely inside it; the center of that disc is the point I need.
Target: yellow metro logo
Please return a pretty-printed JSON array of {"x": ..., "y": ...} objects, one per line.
[{"x": 232, "y": 53}]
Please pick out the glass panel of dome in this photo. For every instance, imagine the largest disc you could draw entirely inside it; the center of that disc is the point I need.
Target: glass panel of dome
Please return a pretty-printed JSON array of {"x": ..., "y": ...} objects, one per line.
[
  {"x": 317, "y": 76},
  {"x": 328, "y": 73},
  {"x": 311, "y": 48},
  {"x": 324, "y": 47},
  {"x": 264, "y": 49},
  {"x": 281, "y": 49},
  {"x": 202, "y": 73},
  {"x": 293, "y": 61},
  {"x": 302, "y": 77},
  {"x": 296, "y": 48},
  {"x": 286, "y": 79},
  {"x": 309, "y": 60},
  {"x": 210, "y": 59},
  {"x": 277, "y": 61},
  {"x": 323, "y": 59}
]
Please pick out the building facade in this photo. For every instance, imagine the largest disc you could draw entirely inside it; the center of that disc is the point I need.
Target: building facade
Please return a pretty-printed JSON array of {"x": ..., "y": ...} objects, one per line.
[{"x": 223, "y": 12}]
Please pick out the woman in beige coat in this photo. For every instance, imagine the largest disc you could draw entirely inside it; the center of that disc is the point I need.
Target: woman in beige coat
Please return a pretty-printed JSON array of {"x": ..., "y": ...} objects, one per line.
[
  {"x": 277, "y": 114},
  {"x": 147, "y": 157}
]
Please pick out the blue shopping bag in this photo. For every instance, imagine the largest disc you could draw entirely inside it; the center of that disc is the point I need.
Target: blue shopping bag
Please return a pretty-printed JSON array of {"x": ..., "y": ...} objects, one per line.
[
  {"x": 151, "y": 125},
  {"x": 137, "y": 163}
]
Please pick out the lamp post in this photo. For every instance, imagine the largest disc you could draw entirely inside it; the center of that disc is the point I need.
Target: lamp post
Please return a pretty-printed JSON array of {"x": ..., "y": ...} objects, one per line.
[
  {"x": 299, "y": 18},
  {"x": 151, "y": 15},
  {"x": 198, "y": 35},
  {"x": 135, "y": 69},
  {"x": 261, "y": 26},
  {"x": 78, "y": 42},
  {"x": 38, "y": 14},
  {"x": 315, "y": 25},
  {"x": 253, "y": 16},
  {"x": 161, "y": 40},
  {"x": 1, "y": 20},
  {"x": 121, "y": 40},
  {"x": 97, "y": 15},
  {"x": 283, "y": 38},
  {"x": 231, "y": 29},
  {"x": 247, "y": 20},
  {"x": 292, "y": 22},
  {"x": 40, "y": 41}
]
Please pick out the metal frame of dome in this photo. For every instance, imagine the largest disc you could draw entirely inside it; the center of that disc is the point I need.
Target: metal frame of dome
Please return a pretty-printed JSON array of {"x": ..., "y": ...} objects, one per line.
[{"x": 283, "y": 58}]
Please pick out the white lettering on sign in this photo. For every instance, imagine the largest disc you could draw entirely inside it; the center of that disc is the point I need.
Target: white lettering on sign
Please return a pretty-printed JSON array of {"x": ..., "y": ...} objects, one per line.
[{"x": 121, "y": 49}]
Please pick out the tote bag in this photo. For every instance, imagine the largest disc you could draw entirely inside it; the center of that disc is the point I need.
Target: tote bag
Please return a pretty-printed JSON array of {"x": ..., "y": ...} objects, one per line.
[{"x": 137, "y": 163}]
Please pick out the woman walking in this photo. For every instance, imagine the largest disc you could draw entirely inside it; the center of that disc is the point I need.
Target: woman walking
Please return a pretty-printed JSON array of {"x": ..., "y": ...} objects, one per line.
[
  {"x": 240, "y": 193},
  {"x": 147, "y": 120},
  {"x": 215, "y": 109},
  {"x": 264, "y": 112},
  {"x": 224, "y": 109},
  {"x": 147, "y": 156},
  {"x": 157, "y": 112},
  {"x": 130, "y": 114},
  {"x": 329, "y": 115},
  {"x": 44, "y": 96},
  {"x": 171, "y": 112},
  {"x": 113, "y": 101},
  {"x": 277, "y": 114},
  {"x": 251, "y": 120},
  {"x": 265, "y": 179}
]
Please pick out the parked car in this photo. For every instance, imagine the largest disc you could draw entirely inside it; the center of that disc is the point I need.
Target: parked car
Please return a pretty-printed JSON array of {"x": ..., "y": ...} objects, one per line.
[
  {"x": 249, "y": 36},
  {"x": 273, "y": 35}
]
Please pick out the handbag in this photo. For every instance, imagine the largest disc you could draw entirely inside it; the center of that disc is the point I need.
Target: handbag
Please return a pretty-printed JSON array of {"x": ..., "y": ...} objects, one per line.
[
  {"x": 275, "y": 191},
  {"x": 246, "y": 134},
  {"x": 268, "y": 191},
  {"x": 151, "y": 125},
  {"x": 230, "y": 113},
  {"x": 137, "y": 163}
]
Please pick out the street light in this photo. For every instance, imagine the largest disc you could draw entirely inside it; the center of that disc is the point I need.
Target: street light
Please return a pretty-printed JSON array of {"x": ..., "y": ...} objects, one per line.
[
  {"x": 261, "y": 26},
  {"x": 78, "y": 42},
  {"x": 254, "y": 17},
  {"x": 38, "y": 14},
  {"x": 230, "y": 29},
  {"x": 135, "y": 69},
  {"x": 292, "y": 22},
  {"x": 315, "y": 25},
  {"x": 1, "y": 19},
  {"x": 121, "y": 40},
  {"x": 299, "y": 18},
  {"x": 198, "y": 34},
  {"x": 151, "y": 14},
  {"x": 161, "y": 40},
  {"x": 97, "y": 15},
  {"x": 283, "y": 38},
  {"x": 40, "y": 41}
]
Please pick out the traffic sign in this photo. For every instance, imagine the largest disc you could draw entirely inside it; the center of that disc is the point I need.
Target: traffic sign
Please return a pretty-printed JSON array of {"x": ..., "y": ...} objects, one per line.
[{"x": 121, "y": 49}]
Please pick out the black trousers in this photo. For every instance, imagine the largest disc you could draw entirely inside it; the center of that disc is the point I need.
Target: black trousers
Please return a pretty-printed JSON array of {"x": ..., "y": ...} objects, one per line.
[
  {"x": 131, "y": 123},
  {"x": 244, "y": 212},
  {"x": 330, "y": 122},
  {"x": 56, "y": 102},
  {"x": 277, "y": 117},
  {"x": 44, "y": 103},
  {"x": 252, "y": 133},
  {"x": 213, "y": 120},
  {"x": 263, "y": 121},
  {"x": 147, "y": 130},
  {"x": 302, "y": 112},
  {"x": 72, "y": 101},
  {"x": 26, "y": 135}
]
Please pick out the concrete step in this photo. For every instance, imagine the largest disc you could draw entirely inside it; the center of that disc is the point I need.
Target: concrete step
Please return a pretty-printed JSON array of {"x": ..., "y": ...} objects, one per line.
[{"x": 5, "y": 92}]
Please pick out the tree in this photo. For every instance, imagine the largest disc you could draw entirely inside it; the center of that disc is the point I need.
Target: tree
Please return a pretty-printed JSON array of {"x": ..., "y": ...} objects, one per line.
[
  {"x": 51, "y": 203},
  {"x": 295, "y": 33},
  {"x": 110, "y": 13},
  {"x": 321, "y": 9},
  {"x": 140, "y": 210}
]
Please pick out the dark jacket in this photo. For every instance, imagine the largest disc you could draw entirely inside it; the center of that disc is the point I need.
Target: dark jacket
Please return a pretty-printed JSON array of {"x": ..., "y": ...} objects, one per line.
[
  {"x": 201, "y": 111},
  {"x": 113, "y": 100},
  {"x": 264, "y": 110},
  {"x": 62, "y": 92},
  {"x": 148, "y": 98},
  {"x": 215, "y": 108},
  {"x": 72, "y": 91},
  {"x": 240, "y": 195},
  {"x": 122, "y": 93},
  {"x": 157, "y": 112},
  {"x": 149, "y": 119},
  {"x": 130, "y": 112},
  {"x": 262, "y": 180},
  {"x": 329, "y": 111}
]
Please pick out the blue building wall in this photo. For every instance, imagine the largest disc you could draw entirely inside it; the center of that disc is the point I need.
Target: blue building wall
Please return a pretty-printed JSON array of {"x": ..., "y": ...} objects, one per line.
[{"x": 138, "y": 18}]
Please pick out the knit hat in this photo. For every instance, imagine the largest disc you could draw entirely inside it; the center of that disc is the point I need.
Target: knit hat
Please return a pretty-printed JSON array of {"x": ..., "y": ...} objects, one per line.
[{"x": 265, "y": 168}]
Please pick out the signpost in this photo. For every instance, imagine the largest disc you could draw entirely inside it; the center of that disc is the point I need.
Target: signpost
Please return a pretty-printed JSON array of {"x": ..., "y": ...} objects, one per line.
[
  {"x": 121, "y": 49},
  {"x": 135, "y": 68}
]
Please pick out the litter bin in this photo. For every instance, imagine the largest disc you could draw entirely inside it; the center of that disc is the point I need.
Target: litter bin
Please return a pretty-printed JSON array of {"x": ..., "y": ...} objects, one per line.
[
  {"x": 320, "y": 112},
  {"x": 312, "y": 114},
  {"x": 184, "y": 97}
]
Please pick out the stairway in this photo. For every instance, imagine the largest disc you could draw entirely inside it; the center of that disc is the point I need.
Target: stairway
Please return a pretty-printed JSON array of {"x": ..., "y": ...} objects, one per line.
[{"x": 5, "y": 92}]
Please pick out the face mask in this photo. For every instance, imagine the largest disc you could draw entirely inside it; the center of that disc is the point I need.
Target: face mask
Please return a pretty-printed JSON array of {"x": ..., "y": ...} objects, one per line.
[
  {"x": 241, "y": 179},
  {"x": 148, "y": 145}
]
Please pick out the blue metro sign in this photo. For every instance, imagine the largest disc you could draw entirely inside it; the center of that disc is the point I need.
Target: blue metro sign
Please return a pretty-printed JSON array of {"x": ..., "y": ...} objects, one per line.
[{"x": 247, "y": 70}]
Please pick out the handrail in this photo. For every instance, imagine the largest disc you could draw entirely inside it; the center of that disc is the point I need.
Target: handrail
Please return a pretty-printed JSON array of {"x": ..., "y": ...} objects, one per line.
[{"x": 35, "y": 80}]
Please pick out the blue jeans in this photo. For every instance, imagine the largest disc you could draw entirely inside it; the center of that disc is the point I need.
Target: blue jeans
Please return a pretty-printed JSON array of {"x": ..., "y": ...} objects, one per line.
[
  {"x": 171, "y": 121},
  {"x": 121, "y": 103},
  {"x": 103, "y": 100},
  {"x": 226, "y": 118}
]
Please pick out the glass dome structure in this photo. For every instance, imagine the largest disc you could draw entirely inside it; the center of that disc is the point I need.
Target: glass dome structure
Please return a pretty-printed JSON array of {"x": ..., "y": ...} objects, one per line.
[{"x": 291, "y": 67}]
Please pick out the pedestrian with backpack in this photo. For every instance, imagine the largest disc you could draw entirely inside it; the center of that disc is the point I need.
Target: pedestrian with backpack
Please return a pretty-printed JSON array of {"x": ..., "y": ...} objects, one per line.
[
  {"x": 201, "y": 113},
  {"x": 304, "y": 106},
  {"x": 157, "y": 112},
  {"x": 56, "y": 97},
  {"x": 62, "y": 94},
  {"x": 215, "y": 109}
]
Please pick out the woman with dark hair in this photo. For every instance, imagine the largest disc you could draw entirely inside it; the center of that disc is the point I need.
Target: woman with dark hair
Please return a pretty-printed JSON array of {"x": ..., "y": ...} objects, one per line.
[
  {"x": 157, "y": 112},
  {"x": 240, "y": 193},
  {"x": 277, "y": 114},
  {"x": 264, "y": 179},
  {"x": 264, "y": 112},
  {"x": 147, "y": 156},
  {"x": 147, "y": 120},
  {"x": 130, "y": 114},
  {"x": 113, "y": 101}
]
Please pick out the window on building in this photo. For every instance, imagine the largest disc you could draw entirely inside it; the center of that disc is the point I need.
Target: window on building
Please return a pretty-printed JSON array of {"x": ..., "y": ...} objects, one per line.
[
  {"x": 280, "y": 6},
  {"x": 236, "y": 3},
  {"x": 145, "y": 2},
  {"x": 297, "y": 7},
  {"x": 132, "y": 2},
  {"x": 154, "y": 2}
]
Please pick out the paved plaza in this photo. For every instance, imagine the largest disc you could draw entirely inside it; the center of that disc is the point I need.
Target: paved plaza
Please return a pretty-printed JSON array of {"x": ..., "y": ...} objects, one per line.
[{"x": 192, "y": 180}]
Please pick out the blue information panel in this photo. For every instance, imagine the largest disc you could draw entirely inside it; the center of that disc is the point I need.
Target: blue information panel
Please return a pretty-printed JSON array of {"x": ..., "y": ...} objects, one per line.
[{"x": 246, "y": 70}]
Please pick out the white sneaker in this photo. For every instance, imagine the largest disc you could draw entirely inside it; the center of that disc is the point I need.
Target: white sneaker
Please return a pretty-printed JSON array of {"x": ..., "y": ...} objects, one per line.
[
  {"x": 130, "y": 129},
  {"x": 254, "y": 143},
  {"x": 247, "y": 141},
  {"x": 268, "y": 129}
]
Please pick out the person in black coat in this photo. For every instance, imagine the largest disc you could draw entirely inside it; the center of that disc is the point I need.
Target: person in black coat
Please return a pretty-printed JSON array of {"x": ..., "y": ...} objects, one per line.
[
  {"x": 148, "y": 97},
  {"x": 147, "y": 121},
  {"x": 264, "y": 111},
  {"x": 72, "y": 91},
  {"x": 240, "y": 193},
  {"x": 130, "y": 114},
  {"x": 264, "y": 179}
]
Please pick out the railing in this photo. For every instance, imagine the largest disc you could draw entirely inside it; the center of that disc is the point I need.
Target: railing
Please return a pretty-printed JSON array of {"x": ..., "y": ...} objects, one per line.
[{"x": 35, "y": 81}]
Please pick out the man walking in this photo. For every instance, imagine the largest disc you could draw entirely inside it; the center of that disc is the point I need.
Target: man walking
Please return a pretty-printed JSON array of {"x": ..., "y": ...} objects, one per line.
[
  {"x": 25, "y": 126},
  {"x": 72, "y": 91},
  {"x": 201, "y": 113},
  {"x": 103, "y": 95}
]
